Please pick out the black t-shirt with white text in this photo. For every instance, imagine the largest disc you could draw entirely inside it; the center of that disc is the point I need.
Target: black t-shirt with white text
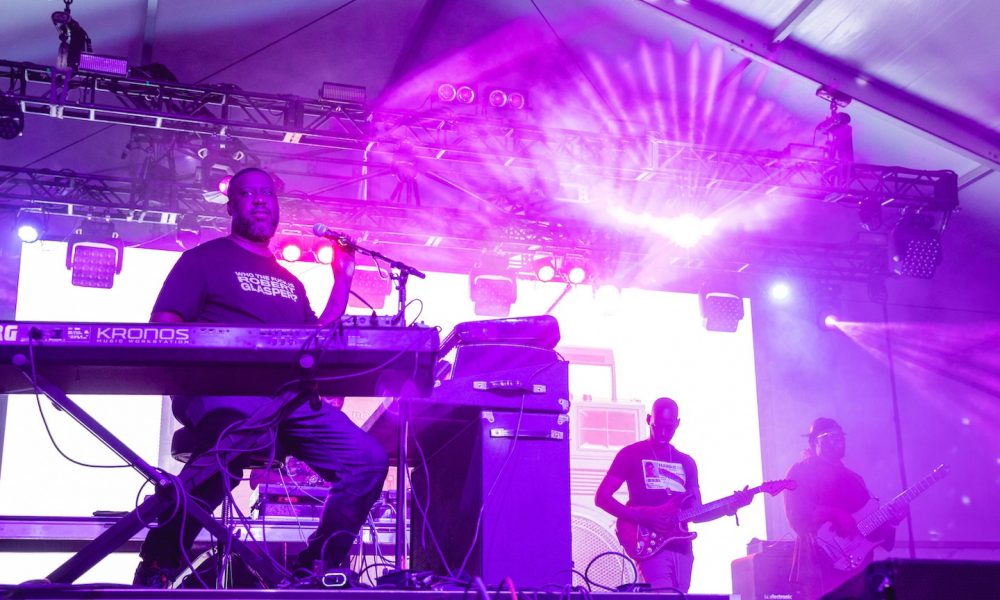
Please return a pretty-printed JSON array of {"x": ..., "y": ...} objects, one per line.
[{"x": 221, "y": 282}]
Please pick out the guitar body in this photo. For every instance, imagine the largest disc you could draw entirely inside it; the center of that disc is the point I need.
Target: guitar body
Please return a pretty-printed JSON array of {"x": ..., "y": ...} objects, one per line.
[
  {"x": 848, "y": 554},
  {"x": 641, "y": 542}
]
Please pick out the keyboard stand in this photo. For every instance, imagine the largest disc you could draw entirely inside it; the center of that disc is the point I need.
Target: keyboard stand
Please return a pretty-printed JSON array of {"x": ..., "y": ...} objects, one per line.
[{"x": 162, "y": 502}]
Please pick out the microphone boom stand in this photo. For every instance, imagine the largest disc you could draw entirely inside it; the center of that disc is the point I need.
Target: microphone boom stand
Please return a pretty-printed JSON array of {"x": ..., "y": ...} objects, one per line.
[{"x": 399, "y": 272}]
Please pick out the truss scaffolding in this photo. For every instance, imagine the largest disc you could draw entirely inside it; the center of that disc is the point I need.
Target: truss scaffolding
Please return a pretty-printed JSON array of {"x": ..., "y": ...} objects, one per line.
[{"x": 435, "y": 144}]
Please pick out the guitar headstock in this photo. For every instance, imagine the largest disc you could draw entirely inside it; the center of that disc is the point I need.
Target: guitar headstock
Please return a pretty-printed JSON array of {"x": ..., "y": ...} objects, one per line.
[
  {"x": 940, "y": 472},
  {"x": 779, "y": 485}
]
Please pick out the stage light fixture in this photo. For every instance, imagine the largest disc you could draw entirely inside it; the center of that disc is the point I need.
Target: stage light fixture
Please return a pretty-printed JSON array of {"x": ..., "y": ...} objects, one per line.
[
  {"x": 446, "y": 92},
  {"x": 11, "y": 118},
  {"x": 916, "y": 247},
  {"x": 95, "y": 255},
  {"x": 465, "y": 94},
  {"x": 290, "y": 251},
  {"x": 497, "y": 98},
  {"x": 780, "y": 291},
  {"x": 828, "y": 315},
  {"x": 516, "y": 101},
  {"x": 575, "y": 269},
  {"x": 107, "y": 65},
  {"x": 323, "y": 251},
  {"x": 342, "y": 92},
  {"x": 545, "y": 269},
  {"x": 371, "y": 285},
  {"x": 30, "y": 227},
  {"x": 493, "y": 287},
  {"x": 720, "y": 311}
]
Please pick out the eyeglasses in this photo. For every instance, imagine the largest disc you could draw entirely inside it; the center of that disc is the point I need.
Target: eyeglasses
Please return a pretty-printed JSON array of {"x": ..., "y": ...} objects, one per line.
[{"x": 248, "y": 193}]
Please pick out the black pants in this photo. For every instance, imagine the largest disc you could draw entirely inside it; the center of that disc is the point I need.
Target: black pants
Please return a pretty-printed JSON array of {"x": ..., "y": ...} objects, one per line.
[{"x": 325, "y": 439}]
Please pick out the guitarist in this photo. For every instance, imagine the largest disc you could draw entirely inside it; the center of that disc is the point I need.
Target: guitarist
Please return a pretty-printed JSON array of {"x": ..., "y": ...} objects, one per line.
[
  {"x": 827, "y": 492},
  {"x": 655, "y": 473}
]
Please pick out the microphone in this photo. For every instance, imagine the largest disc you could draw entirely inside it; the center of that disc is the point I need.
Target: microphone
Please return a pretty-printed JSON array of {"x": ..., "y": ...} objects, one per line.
[{"x": 321, "y": 230}]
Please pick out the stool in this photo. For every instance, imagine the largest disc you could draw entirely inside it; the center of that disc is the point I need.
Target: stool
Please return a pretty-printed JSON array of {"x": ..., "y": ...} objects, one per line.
[{"x": 184, "y": 444}]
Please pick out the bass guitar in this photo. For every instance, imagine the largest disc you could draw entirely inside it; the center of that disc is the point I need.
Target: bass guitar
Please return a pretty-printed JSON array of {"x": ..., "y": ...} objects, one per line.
[
  {"x": 641, "y": 542},
  {"x": 849, "y": 553}
]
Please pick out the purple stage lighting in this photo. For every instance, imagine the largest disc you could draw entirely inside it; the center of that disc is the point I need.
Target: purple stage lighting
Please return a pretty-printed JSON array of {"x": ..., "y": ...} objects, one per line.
[
  {"x": 323, "y": 251},
  {"x": 576, "y": 274},
  {"x": 545, "y": 269},
  {"x": 291, "y": 251},
  {"x": 30, "y": 227},
  {"x": 446, "y": 92},
  {"x": 780, "y": 291},
  {"x": 720, "y": 311},
  {"x": 28, "y": 233},
  {"x": 465, "y": 94},
  {"x": 688, "y": 229},
  {"x": 516, "y": 100},
  {"x": 371, "y": 285},
  {"x": 830, "y": 321},
  {"x": 498, "y": 98},
  {"x": 493, "y": 293}
]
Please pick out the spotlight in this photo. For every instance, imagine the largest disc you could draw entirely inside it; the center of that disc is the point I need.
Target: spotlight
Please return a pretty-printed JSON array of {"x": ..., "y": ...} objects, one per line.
[
  {"x": 827, "y": 317},
  {"x": 11, "y": 118},
  {"x": 94, "y": 255},
  {"x": 291, "y": 251},
  {"x": 916, "y": 247},
  {"x": 720, "y": 311},
  {"x": 780, "y": 291},
  {"x": 30, "y": 227},
  {"x": 465, "y": 94},
  {"x": 323, "y": 251},
  {"x": 446, "y": 92},
  {"x": 497, "y": 98},
  {"x": 575, "y": 270},
  {"x": 545, "y": 269},
  {"x": 493, "y": 288},
  {"x": 516, "y": 100},
  {"x": 371, "y": 285},
  {"x": 688, "y": 229}
]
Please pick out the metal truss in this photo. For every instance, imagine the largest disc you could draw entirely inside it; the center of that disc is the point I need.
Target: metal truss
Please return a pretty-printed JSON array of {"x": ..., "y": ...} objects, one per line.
[
  {"x": 445, "y": 141},
  {"x": 69, "y": 194}
]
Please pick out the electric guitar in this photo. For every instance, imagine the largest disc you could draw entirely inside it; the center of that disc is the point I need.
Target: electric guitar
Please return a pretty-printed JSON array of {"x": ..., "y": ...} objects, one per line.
[
  {"x": 849, "y": 553},
  {"x": 641, "y": 542}
]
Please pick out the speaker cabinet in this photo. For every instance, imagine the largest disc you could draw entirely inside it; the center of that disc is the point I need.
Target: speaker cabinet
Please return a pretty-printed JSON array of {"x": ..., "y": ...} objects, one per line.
[
  {"x": 508, "y": 474},
  {"x": 764, "y": 575},
  {"x": 916, "y": 579}
]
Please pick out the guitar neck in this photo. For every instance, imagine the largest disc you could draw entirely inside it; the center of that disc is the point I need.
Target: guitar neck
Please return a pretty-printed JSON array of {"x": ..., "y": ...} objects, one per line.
[
  {"x": 693, "y": 513},
  {"x": 881, "y": 516}
]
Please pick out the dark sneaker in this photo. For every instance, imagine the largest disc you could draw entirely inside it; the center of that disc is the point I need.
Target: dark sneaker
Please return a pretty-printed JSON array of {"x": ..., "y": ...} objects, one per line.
[{"x": 151, "y": 575}]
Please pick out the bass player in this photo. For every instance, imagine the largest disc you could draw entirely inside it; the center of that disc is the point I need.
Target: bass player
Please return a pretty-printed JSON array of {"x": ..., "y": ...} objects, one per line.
[{"x": 827, "y": 492}]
